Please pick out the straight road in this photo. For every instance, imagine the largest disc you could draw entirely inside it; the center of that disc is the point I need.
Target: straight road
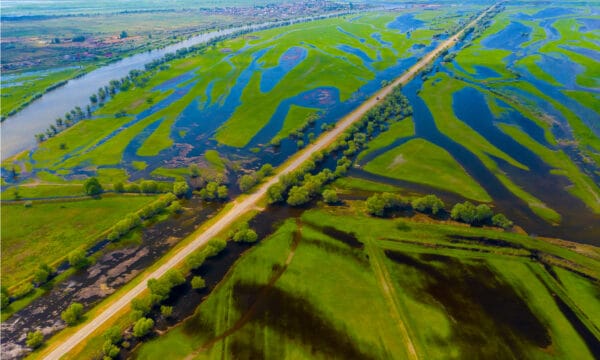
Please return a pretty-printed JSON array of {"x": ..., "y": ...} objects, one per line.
[{"x": 251, "y": 201}]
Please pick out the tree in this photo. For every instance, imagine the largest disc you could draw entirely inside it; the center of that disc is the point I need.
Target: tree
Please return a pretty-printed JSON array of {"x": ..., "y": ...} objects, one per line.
[
  {"x": 198, "y": 282},
  {"x": 144, "y": 304},
  {"x": 502, "y": 221},
  {"x": 34, "y": 339},
  {"x": 166, "y": 311},
  {"x": 149, "y": 186},
  {"x": 142, "y": 327},
  {"x": 428, "y": 203},
  {"x": 94, "y": 98},
  {"x": 194, "y": 171},
  {"x": 222, "y": 192},
  {"x": 123, "y": 34},
  {"x": 330, "y": 196},
  {"x": 180, "y": 188},
  {"x": 376, "y": 205},
  {"x": 42, "y": 274},
  {"x": 4, "y": 300},
  {"x": 72, "y": 314},
  {"x": 245, "y": 235},
  {"x": 77, "y": 259},
  {"x": 465, "y": 212},
  {"x": 483, "y": 213},
  {"x": 247, "y": 182},
  {"x": 215, "y": 246},
  {"x": 110, "y": 350},
  {"x": 119, "y": 187},
  {"x": 113, "y": 335},
  {"x": 298, "y": 196},
  {"x": 92, "y": 187},
  {"x": 275, "y": 193}
]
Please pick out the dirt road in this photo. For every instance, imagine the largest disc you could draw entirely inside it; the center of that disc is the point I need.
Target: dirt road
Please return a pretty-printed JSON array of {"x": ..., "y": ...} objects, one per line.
[{"x": 247, "y": 203}]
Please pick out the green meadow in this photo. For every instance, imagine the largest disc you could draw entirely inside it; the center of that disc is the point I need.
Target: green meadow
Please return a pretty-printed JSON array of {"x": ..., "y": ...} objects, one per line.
[
  {"x": 376, "y": 287},
  {"x": 46, "y": 231}
]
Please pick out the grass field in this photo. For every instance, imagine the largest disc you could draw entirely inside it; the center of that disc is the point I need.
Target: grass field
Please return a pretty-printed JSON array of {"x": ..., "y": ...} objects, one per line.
[
  {"x": 417, "y": 160},
  {"x": 47, "y": 231},
  {"x": 467, "y": 298}
]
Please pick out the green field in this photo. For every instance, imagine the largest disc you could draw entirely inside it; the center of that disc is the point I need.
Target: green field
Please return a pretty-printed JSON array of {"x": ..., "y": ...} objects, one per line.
[
  {"x": 369, "y": 295},
  {"x": 47, "y": 231},
  {"x": 416, "y": 161}
]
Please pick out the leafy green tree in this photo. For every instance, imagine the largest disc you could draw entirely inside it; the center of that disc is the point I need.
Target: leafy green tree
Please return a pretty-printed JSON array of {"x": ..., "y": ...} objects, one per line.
[
  {"x": 275, "y": 193},
  {"x": 181, "y": 188},
  {"x": 245, "y": 235},
  {"x": 194, "y": 171},
  {"x": 119, "y": 187},
  {"x": 35, "y": 339},
  {"x": 465, "y": 212},
  {"x": 142, "y": 327},
  {"x": 149, "y": 186},
  {"x": 247, "y": 182},
  {"x": 72, "y": 314},
  {"x": 483, "y": 213},
  {"x": 77, "y": 259},
  {"x": 265, "y": 170},
  {"x": 144, "y": 304},
  {"x": 298, "y": 196},
  {"x": 222, "y": 192},
  {"x": 502, "y": 221},
  {"x": 4, "y": 300},
  {"x": 123, "y": 34},
  {"x": 198, "y": 282},
  {"x": 376, "y": 205},
  {"x": 196, "y": 259},
  {"x": 110, "y": 350},
  {"x": 215, "y": 246},
  {"x": 92, "y": 187},
  {"x": 175, "y": 207},
  {"x": 330, "y": 196},
  {"x": 42, "y": 274},
  {"x": 113, "y": 335},
  {"x": 428, "y": 203}
]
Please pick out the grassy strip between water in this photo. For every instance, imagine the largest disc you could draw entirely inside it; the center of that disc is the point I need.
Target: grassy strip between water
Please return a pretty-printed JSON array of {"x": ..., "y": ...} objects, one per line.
[{"x": 422, "y": 162}]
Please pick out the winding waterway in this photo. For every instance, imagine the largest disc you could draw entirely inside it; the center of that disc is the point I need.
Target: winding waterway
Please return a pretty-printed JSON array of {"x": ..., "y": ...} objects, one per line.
[{"x": 17, "y": 131}]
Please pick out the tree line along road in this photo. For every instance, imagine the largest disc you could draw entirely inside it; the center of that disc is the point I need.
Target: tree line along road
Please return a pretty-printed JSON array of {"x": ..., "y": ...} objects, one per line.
[{"x": 249, "y": 202}]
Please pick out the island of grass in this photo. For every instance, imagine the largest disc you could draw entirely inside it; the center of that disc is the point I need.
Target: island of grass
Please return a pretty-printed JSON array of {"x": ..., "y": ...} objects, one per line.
[{"x": 424, "y": 163}]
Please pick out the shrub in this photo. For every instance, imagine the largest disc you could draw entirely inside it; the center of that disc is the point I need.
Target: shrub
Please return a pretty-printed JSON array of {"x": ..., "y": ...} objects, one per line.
[
  {"x": 110, "y": 350},
  {"x": 378, "y": 204},
  {"x": 149, "y": 186},
  {"x": 428, "y": 203},
  {"x": 483, "y": 213},
  {"x": 34, "y": 339},
  {"x": 215, "y": 246},
  {"x": 113, "y": 335},
  {"x": 198, "y": 282},
  {"x": 142, "y": 327},
  {"x": 245, "y": 235},
  {"x": 298, "y": 195},
  {"x": 275, "y": 193},
  {"x": 501, "y": 221},
  {"x": 330, "y": 197},
  {"x": 77, "y": 259},
  {"x": 119, "y": 187},
  {"x": 166, "y": 311},
  {"x": 72, "y": 314},
  {"x": 180, "y": 188},
  {"x": 92, "y": 187},
  {"x": 42, "y": 274}
]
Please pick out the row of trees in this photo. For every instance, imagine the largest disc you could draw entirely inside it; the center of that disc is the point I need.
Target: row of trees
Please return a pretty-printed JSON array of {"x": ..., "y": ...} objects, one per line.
[
  {"x": 379, "y": 204},
  {"x": 248, "y": 181},
  {"x": 71, "y": 118}
]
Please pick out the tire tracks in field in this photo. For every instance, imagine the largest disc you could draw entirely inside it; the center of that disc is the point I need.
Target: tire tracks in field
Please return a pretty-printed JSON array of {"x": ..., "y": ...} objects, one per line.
[
  {"x": 259, "y": 299},
  {"x": 389, "y": 293}
]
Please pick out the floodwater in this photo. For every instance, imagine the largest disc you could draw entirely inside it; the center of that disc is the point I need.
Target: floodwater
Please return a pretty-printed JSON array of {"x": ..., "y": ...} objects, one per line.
[{"x": 18, "y": 130}]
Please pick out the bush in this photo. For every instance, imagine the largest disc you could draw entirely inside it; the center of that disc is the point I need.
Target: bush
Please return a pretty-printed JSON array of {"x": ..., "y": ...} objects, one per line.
[
  {"x": 428, "y": 203},
  {"x": 77, "y": 259},
  {"x": 175, "y": 207},
  {"x": 330, "y": 197},
  {"x": 113, "y": 335},
  {"x": 195, "y": 260},
  {"x": 501, "y": 221},
  {"x": 378, "y": 204},
  {"x": 133, "y": 188},
  {"x": 42, "y": 274},
  {"x": 247, "y": 182},
  {"x": 245, "y": 235},
  {"x": 465, "y": 212},
  {"x": 180, "y": 188},
  {"x": 483, "y": 213},
  {"x": 162, "y": 287},
  {"x": 275, "y": 193},
  {"x": 119, "y": 187},
  {"x": 110, "y": 350},
  {"x": 72, "y": 314},
  {"x": 198, "y": 282},
  {"x": 92, "y": 187},
  {"x": 142, "y": 327},
  {"x": 215, "y": 246},
  {"x": 35, "y": 339},
  {"x": 4, "y": 300},
  {"x": 222, "y": 192},
  {"x": 298, "y": 195},
  {"x": 149, "y": 187},
  {"x": 166, "y": 311}
]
